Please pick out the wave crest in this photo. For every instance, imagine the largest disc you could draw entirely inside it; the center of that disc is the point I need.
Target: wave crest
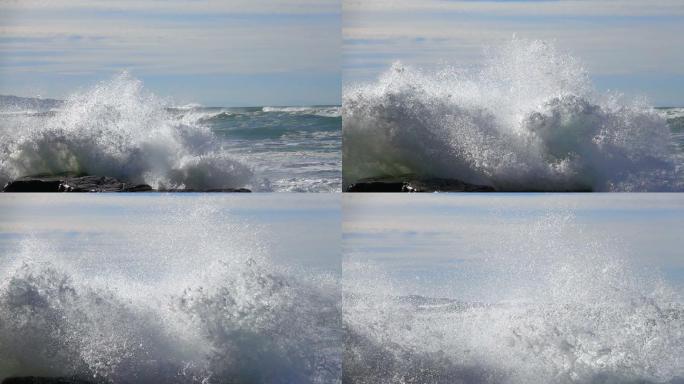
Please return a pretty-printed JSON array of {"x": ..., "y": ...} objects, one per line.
[
  {"x": 246, "y": 325},
  {"x": 551, "y": 309},
  {"x": 323, "y": 111},
  {"x": 528, "y": 120},
  {"x": 116, "y": 129}
]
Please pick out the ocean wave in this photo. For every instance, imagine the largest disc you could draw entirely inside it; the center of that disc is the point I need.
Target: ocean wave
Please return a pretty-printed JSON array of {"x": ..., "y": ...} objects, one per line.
[
  {"x": 524, "y": 344},
  {"x": 117, "y": 129},
  {"x": 675, "y": 119},
  {"x": 10, "y": 104},
  {"x": 196, "y": 299},
  {"x": 188, "y": 106},
  {"x": 217, "y": 116},
  {"x": 203, "y": 116},
  {"x": 331, "y": 111},
  {"x": 528, "y": 120},
  {"x": 235, "y": 318},
  {"x": 671, "y": 113},
  {"x": 565, "y": 309},
  {"x": 251, "y": 327}
]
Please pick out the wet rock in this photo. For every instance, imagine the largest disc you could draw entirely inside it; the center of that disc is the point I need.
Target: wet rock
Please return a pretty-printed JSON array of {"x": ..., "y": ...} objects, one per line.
[
  {"x": 415, "y": 184},
  {"x": 44, "y": 380},
  {"x": 79, "y": 183},
  {"x": 33, "y": 185},
  {"x": 68, "y": 183},
  {"x": 231, "y": 190},
  {"x": 241, "y": 190}
]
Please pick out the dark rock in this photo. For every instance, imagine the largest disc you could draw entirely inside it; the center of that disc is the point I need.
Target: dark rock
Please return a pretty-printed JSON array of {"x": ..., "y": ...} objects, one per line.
[
  {"x": 44, "y": 380},
  {"x": 84, "y": 183},
  {"x": 410, "y": 183},
  {"x": 33, "y": 185},
  {"x": 100, "y": 184},
  {"x": 232, "y": 190},
  {"x": 377, "y": 186},
  {"x": 138, "y": 188},
  {"x": 68, "y": 183}
]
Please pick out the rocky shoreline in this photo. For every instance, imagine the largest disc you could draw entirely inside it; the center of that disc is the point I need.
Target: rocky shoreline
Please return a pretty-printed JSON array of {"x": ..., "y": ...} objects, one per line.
[
  {"x": 88, "y": 183},
  {"x": 409, "y": 183}
]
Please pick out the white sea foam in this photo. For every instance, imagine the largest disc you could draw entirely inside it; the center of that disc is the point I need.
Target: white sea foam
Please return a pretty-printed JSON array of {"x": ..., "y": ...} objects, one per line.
[
  {"x": 331, "y": 111},
  {"x": 197, "y": 300},
  {"x": 201, "y": 117},
  {"x": 118, "y": 129},
  {"x": 567, "y": 308},
  {"x": 529, "y": 119},
  {"x": 246, "y": 325},
  {"x": 672, "y": 113}
]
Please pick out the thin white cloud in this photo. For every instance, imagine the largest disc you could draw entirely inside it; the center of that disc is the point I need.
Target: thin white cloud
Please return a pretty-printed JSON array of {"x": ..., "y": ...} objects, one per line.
[
  {"x": 424, "y": 231},
  {"x": 560, "y": 8},
  {"x": 178, "y": 6},
  {"x": 68, "y": 44},
  {"x": 78, "y": 42},
  {"x": 610, "y": 37}
]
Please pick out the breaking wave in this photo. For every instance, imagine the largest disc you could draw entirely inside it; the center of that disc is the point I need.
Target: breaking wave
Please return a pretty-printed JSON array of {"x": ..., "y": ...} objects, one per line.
[
  {"x": 528, "y": 120},
  {"x": 323, "y": 111},
  {"x": 562, "y": 311},
  {"x": 119, "y": 130},
  {"x": 248, "y": 326},
  {"x": 196, "y": 114},
  {"x": 200, "y": 303}
]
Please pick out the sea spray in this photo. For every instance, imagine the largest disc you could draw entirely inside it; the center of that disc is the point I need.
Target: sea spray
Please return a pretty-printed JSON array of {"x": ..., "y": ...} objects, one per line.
[
  {"x": 529, "y": 119},
  {"x": 118, "y": 129},
  {"x": 555, "y": 304},
  {"x": 186, "y": 294}
]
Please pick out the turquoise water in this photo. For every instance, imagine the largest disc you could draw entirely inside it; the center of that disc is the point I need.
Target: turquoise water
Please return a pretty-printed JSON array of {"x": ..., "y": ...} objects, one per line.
[
  {"x": 290, "y": 148},
  {"x": 675, "y": 121},
  {"x": 118, "y": 128}
]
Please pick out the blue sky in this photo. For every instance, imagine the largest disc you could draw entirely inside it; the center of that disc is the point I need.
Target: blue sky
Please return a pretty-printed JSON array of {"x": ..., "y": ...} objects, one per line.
[
  {"x": 222, "y": 53},
  {"x": 438, "y": 244},
  {"x": 629, "y": 46}
]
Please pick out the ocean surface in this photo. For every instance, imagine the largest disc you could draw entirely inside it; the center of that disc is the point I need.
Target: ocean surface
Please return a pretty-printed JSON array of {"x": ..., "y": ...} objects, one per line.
[
  {"x": 528, "y": 118},
  {"x": 674, "y": 118},
  {"x": 119, "y": 129},
  {"x": 514, "y": 289},
  {"x": 183, "y": 288}
]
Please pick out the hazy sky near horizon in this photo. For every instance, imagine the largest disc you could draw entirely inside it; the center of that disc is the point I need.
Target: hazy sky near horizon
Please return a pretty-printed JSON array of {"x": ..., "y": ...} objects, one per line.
[
  {"x": 222, "y": 53},
  {"x": 630, "y": 46},
  {"x": 437, "y": 241},
  {"x": 290, "y": 229}
]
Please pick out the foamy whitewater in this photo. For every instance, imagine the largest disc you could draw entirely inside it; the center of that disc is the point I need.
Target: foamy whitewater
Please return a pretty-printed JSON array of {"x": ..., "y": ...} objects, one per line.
[
  {"x": 199, "y": 303},
  {"x": 568, "y": 308},
  {"x": 119, "y": 129},
  {"x": 528, "y": 119}
]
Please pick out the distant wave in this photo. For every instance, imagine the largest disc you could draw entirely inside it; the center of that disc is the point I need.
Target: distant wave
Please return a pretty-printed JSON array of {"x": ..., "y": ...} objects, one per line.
[
  {"x": 210, "y": 115},
  {"x": 528, "y": 120},
  {"x": 189, "y": 106},
  {"x": 331, "y": 111},
  {"x": 674, "y": 117},
  {"x": 564, "y": 310},
  {"x": 117, "y": 129},
  {"x": 10, "y": 104},
  {"x": 202, "y": 116}
]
